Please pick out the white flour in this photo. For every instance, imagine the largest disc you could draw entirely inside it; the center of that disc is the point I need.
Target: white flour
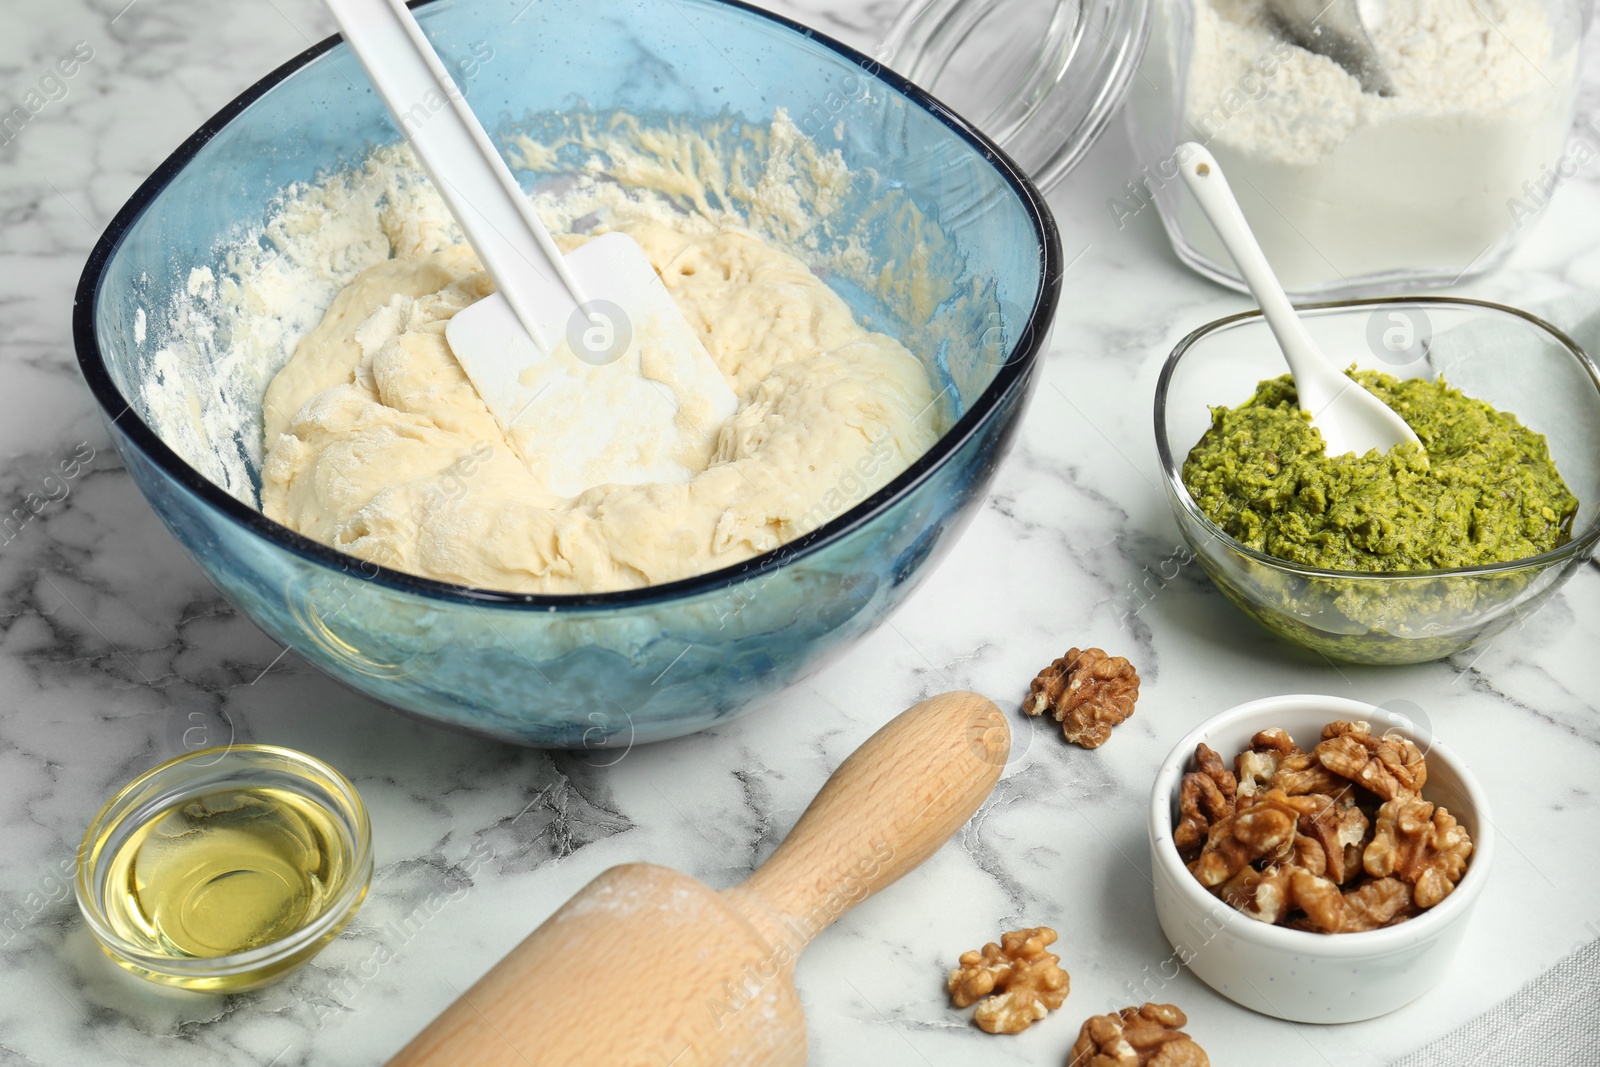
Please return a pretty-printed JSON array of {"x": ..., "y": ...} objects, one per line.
[
  {"x": 222, "y": 339},
  {"x": 1340, "y": 184}
]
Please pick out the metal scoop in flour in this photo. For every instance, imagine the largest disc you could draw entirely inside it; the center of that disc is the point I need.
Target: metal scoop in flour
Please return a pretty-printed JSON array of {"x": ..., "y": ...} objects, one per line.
[
  {"x": 1333, "y": 28},
  {"x": 587, "y": 348},
  {"x": 1350, "y": 418}
]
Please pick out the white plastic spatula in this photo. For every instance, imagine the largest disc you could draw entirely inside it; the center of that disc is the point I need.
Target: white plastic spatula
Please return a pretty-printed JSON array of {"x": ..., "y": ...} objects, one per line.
[
  {"x": 1350, "y": 418},
  {"x": 566, "y": 344}
]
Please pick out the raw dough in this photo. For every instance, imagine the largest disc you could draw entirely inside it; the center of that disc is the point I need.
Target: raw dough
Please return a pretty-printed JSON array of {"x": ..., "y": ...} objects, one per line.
[{"x": 379, "y": 446}]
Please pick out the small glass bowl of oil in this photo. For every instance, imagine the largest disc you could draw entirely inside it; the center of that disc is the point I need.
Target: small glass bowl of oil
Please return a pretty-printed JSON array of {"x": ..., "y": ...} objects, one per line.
[{"x": 226, "y": 868}]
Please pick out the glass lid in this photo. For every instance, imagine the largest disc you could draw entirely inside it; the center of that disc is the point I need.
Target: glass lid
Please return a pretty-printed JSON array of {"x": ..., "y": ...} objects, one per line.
[{"x": 1041, "y": 77}]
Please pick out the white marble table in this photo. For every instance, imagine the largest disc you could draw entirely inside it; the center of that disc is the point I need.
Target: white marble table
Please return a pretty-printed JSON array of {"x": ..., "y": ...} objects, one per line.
[{"x": 112, "y": 645}]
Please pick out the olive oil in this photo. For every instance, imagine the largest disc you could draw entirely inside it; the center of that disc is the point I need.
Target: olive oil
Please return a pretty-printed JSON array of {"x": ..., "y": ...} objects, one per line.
[{"x": 225, "y": 872}]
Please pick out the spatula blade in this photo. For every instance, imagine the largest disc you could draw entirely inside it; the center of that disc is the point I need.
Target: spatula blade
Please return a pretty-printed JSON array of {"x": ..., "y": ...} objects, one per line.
[{"x": 629, "y": 395}]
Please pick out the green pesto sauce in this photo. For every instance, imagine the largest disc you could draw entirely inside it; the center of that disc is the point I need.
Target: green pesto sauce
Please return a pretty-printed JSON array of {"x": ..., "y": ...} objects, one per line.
[{"x": 1487, "y": 491}]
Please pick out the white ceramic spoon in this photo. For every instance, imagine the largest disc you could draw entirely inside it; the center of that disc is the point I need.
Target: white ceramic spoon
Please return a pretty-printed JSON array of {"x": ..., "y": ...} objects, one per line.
[{"x": 1350, "y": 418}]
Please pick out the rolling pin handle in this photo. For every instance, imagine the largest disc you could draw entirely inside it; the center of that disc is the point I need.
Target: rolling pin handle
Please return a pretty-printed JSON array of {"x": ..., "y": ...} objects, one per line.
[{"x": 888, "y": 807}]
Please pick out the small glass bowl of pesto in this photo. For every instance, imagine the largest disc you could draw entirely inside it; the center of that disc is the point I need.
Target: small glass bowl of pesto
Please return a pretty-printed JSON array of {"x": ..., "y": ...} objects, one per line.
[{"x": 1411, "y": 572}]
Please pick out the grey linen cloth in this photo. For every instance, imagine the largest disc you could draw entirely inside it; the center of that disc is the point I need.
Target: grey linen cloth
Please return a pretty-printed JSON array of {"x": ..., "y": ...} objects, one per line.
[{"x": 1553, "y": 1021}]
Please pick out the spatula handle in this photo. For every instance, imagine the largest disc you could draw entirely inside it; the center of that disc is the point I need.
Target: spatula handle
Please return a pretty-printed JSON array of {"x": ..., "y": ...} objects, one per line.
[
  {"x": 466, "y": 168},
  {"x": 887, "y": 808}
]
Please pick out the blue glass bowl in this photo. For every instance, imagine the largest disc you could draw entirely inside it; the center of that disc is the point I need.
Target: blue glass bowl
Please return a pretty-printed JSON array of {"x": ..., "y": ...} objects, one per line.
[{"x": 614, "y": 668}]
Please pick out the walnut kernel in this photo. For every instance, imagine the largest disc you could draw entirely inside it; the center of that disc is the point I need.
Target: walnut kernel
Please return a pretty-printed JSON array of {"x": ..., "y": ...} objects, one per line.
[
  {"x": 1421, "y": 844},
  {"x": 1341, "y": 829},
  {"x": 1265, "y": 827},
  {"x": 1210, "y": 764},
  {"x": 1088, "y": 692},
  {"x": 1309, "y": 855},
  {"x": 1201, "y": 804},
  {"x": 1319, "y": 898},
  {"x": 1391, "y": 766},
  {"x": 1029, "y": 980},
  {"x": 1302, "y": 774},
  {"x": 1265, "y": 896},
  {"x": 1147, "y": 1036},
  {"x": 1256, "y": 765},
  {"x": 1378, "y": 903}
]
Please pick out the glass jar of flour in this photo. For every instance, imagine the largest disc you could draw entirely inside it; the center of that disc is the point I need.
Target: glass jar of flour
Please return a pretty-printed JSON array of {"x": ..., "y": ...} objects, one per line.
[{"x": 1348, "y": 190}]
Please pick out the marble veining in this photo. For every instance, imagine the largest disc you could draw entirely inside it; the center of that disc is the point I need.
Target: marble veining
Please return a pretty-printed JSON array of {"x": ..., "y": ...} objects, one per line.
[{"x": 115, "y": 654}]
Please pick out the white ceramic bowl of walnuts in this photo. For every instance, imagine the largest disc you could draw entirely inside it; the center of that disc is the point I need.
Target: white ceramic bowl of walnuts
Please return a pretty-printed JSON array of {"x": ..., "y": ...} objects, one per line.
[{"x": 1300, "y": 972}]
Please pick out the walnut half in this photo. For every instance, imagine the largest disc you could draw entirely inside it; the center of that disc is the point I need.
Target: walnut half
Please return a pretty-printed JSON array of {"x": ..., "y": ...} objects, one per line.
[
  {"x": 1015, "y": 983},
  {"x": 1201, "y": 804},
  {"x": 1264, "y": 828},
  {"x": 1378, "y": 903},
  {"x": 1088, "y": 692},
  {"x": 1147, "y": 1036},
  {"x": 1391, "y": 766},
  {"x": 1420, "y": 844},
  {"x": 1256, "y": 765}
]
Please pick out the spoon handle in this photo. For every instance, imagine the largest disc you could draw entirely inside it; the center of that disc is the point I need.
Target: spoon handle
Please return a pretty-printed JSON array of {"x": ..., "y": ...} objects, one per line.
[
  {"x": 1350, "y": 418},
  {"x": 1210, "y": 187},
  {"x": 1318, "y": 383}
]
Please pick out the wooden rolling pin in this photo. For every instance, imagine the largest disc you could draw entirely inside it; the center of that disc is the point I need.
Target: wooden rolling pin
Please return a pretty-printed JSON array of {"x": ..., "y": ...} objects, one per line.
[{"x": 647, "y": 967}]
